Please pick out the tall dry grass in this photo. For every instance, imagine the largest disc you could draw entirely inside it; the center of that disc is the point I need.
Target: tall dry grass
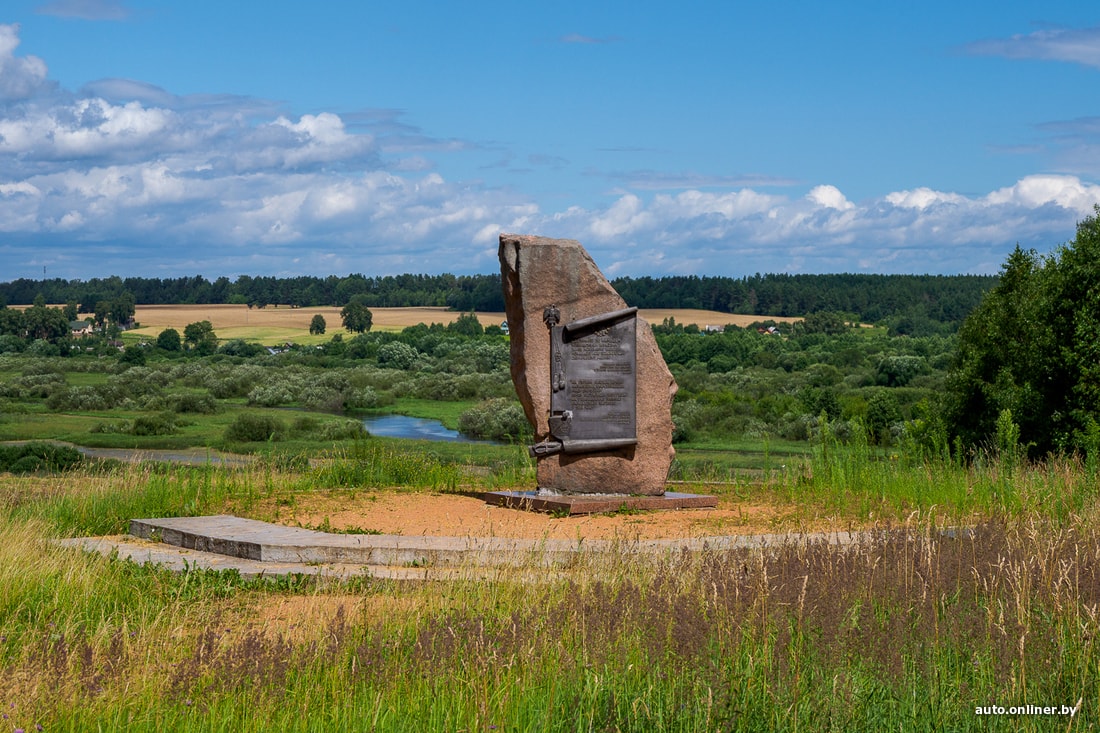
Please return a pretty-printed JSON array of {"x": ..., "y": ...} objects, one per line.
[
  {"x": 908, "y": 629},
  {"x": 914, "y": 627}
]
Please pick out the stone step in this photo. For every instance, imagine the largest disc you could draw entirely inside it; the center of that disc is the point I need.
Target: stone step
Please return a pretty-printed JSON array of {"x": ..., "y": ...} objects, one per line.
[
  {"x": 257, "y": 549},
  {"x": 265, "y": 542}
]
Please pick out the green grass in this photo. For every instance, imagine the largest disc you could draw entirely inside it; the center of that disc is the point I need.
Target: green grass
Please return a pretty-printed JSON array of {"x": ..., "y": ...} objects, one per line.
[{"x": 894, "y": 635}]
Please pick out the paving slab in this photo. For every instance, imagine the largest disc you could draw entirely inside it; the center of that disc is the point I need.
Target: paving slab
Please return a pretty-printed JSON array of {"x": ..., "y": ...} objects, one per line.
[
  {"x": 258, "y": 549},
  {"x": 570, "y": 504},
  {"x": 178, "y": 559}
]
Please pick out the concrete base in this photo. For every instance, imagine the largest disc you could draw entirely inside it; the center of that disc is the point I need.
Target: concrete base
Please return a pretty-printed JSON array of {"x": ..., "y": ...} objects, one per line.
[{"x": 540, "y": 501}]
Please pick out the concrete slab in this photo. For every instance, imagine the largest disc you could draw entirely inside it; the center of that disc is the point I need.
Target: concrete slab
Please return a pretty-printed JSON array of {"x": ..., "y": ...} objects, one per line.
[
  {"x": 265, "y": 542},
  {"x": 597, "y": 503},
  {"x": 260, "y": 549},
  {"x": 178, "y": 559}
]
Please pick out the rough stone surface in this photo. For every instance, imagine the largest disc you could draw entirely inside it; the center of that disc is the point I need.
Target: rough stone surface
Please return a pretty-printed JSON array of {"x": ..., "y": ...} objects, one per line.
[{"x": 538, "y": 272}]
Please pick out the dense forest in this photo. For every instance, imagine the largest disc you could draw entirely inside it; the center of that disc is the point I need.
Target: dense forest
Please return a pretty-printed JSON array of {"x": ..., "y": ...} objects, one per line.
[{"x": 913, "y": 304}]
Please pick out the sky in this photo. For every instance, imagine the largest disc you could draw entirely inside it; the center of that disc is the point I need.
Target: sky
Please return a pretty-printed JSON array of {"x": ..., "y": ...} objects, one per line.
[{"x": 168, "y": 138}]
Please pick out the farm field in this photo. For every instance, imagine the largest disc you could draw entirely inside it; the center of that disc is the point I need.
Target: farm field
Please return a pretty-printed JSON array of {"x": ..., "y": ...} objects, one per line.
[{"x": 276, "y": 324}]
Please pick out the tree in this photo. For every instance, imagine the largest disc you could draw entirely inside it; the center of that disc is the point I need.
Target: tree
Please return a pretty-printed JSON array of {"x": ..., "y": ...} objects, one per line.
[
  {"x": 357, "y": 316},
  {"x": 169, "y": 340},
  {"x": 45, "y": 323},
  {"x": 133, "y": 355},
  {"x": 102, "y": 312},
  {"x": 122, "y": 308},
  {"x": 1032, "y": 347},
  {"x": 317, "y": 325},
  {"x": 200, "y": 337},
  {"x": 466, "y": 324}
]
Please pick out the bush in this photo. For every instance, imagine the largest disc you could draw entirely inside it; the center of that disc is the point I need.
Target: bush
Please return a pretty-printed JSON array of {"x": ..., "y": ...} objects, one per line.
[
  {"x": 134, "y": 355},
  {"x": 397, "y": 355},
  {"x": 193, "y": 403},
  {"x": 82, "y": 398},
  {"x": 321, "y": 397},
  {"x": 342, "y": 430},
  {"x": 163, "y": 423},
  {"x": 252, "y": 428},
  {"x": 270, "y": 395},
  {"x": 498, "y": 419},
  {"x": 362, "y": 398},
  {"x": 10, "y": 344},
  {"x": 34, "y": 457}
]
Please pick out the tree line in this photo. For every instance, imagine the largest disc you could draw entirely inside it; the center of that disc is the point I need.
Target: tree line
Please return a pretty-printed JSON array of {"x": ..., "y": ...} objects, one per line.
[{"x": 910, "y": 304}]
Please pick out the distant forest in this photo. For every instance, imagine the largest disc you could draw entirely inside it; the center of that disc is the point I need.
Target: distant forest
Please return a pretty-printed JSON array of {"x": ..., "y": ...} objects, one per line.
[{"x": 898, "y": 299}]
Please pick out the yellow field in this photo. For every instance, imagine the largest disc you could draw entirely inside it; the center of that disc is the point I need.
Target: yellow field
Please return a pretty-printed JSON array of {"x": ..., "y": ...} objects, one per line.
[
  {"x": 273, "y": 325},
  {"x": 278, "y": 324},
  {"x": 703, "y": 318}
]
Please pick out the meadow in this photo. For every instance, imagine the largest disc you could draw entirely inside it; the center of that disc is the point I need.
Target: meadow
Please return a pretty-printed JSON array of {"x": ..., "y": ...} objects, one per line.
[
  {"x": 919, "y": 626},
  {"x": 976, "y": 587}
]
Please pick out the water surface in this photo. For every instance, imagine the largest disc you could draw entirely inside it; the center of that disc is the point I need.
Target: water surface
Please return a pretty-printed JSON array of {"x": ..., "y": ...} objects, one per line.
[{"x": 416, "y": 428}]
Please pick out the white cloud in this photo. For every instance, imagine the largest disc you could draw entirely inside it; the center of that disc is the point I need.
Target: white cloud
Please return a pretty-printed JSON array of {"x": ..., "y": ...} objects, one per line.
[
  {"x": 1074, "y": 45},
  {"x": 922, "y": 198},
  {"x": 1067, "y": 192},
  {"x": 124, "y": 177},
  {"x": 21, "y": 77},
  {"x": 829, "y": 197}
]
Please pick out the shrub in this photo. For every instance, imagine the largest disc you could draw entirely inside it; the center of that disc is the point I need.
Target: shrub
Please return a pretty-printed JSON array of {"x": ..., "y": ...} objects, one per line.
[
  {"x": 82, "y": 398},
  {"x": 397, "y": 355},
  {"x": 41, "y": 347},
  {"x": 253, "y": 428},
  {"x": 362, "y": 398},
  {"x": 133, "y": 355},
  {"x": 10, "y": 344},
  {"x": 270, "y": 395},
  {"x": 162, "y": 423},
  {"x": 497, "y": 419},
  {"x": 33, "y": 457},
  {"x": 321, "y": 397},
  {"x": 193, "y": 403},
  {"x": 342, "y": 430}
]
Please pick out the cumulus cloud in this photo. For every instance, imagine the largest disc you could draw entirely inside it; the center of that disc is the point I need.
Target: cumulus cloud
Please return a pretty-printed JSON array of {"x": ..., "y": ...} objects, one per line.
[
  {"x": 123, "y": 177},
  {"x": 921, "y": 230},
  {"x": 21, "y": 77},
  {"x": 1075, "y": 45}
]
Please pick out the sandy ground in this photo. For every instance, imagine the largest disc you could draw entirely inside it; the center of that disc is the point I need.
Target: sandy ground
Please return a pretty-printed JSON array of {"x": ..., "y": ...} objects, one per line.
[{"x": 449, "y": 515}]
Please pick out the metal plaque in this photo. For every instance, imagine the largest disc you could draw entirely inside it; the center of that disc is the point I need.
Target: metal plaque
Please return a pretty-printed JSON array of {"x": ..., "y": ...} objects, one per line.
[{"x": 593, "y": 375}]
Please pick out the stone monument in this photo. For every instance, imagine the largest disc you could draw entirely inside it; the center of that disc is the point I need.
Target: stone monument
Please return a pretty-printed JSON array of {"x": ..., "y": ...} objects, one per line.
[{"x": 591, "y": 380}]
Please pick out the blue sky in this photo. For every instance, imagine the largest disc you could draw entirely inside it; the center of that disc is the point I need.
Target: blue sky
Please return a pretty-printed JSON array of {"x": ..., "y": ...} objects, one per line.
[{"x": 165, "y": 138}]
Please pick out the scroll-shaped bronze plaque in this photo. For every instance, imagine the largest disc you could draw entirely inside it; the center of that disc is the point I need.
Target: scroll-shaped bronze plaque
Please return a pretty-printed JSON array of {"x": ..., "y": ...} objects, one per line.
[{"x": 593, "y": 376}]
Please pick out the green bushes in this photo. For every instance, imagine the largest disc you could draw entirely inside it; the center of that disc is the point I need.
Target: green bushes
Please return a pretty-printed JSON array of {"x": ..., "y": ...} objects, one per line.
[
  {"x": 249, "y": 427},
  {"x": 498, "y": 419},
  {"x": 34, "y": 457},
  {"x": 163, "y": 423}
]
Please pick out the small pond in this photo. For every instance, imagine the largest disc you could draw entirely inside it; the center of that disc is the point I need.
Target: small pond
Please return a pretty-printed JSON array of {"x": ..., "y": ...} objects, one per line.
[{"x": 417, "y": 428}]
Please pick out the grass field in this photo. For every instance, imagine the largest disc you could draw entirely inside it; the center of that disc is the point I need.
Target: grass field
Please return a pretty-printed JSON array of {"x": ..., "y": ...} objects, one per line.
[
  {"x": 278, "y": 324},
  {"x": 914, "y": 631}
]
